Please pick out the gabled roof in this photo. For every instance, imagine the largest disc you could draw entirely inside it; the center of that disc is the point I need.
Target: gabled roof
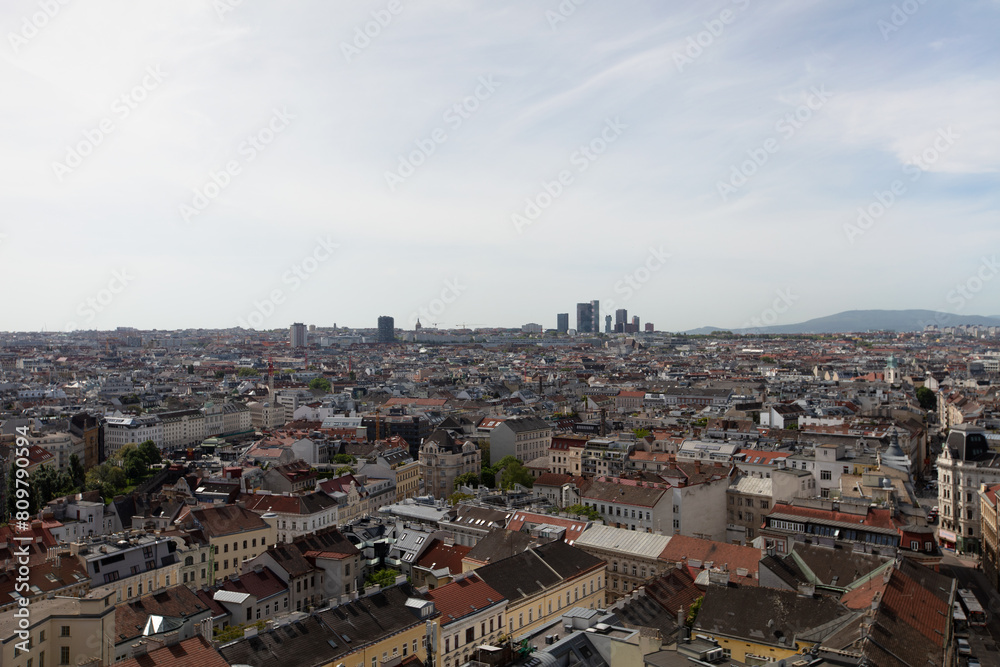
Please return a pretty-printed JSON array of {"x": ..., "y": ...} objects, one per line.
[
  {"x": 195, "y": 651},
  {"x": 440, "y": 555},
  {"x": 531, "y": 571},
  {"x": 682, "y": 548},
  {"x": 464, "y": 597},
  {"x": 227, "y": 520},
  {"x": 176, "y": 602}
]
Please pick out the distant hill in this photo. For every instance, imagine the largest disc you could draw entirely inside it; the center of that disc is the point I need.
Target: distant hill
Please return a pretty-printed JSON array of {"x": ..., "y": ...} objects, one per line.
[{"x": 866, "y": 320}]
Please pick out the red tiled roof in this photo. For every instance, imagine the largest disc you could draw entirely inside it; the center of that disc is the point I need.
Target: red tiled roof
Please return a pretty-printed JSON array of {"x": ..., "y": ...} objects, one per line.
[
  {"x": 878, "y": 518},
  {"x": 439, "y": 555},
  {"x": 261, "y": 584},
  {"x": 681, "y": 547},
  {"x": 462, "y": 598},
  {"x": 194, "y": 651},
  {"x": 861, "y": 597}
]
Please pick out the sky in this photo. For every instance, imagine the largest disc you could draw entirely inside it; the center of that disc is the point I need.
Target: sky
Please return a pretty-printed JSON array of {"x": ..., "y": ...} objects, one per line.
[{"x": 219, "y": 163}]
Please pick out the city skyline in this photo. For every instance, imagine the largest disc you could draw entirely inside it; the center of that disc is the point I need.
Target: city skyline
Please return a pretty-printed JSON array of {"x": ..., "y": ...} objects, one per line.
[{"x": 220, "y": 165}]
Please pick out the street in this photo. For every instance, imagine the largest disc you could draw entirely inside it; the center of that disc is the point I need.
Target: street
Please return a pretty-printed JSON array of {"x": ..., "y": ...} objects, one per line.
[{"x": 984, "y": 641}]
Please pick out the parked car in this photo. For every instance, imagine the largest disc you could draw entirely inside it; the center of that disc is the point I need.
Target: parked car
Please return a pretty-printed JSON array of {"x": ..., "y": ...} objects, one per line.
[
  {"x": 963, "y": 647},
  {"x": 973, "y": 662}
]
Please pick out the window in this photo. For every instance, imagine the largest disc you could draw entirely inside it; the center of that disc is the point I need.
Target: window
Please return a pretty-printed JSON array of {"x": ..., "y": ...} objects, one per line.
[
  {"x": 254, "y": 542},
  {"x": 64, "y": 655},
  {"x": 415, "y": 644},
  {"x": 244, "y": 544},
  {"x": 225, "y": 548},
  {"x": 41, "y": 636},
  {"x": 202, "y": 573},
  {"x": 470, "y": 633},
  {"x": 235, "y": 546}
]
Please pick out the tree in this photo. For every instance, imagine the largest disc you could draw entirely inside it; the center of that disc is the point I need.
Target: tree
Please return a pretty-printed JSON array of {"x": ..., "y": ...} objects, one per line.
[
  {"x": 505, "y": 461},
  {"x": 457, "y": 497},
  {"x": 489, "y": 476},
  {"x": 468, "y": 479},
  {"x": 76, "y": 472},
  {"x": 344, "y": 458},
  {"x": 693, "y": 610},
  {"x": 345, "y": 470},
  {"x": 150, "y": 453},
  {"x": 190, "y": 369},
  {"x": 641, "y": 432},
  {"x": 48, "y": 483},
  {"x": 107, "y": 478},
  {"x": 320, "y": 383},
  {"x": 515, "y": 473},
  {"x": 246, "y": 372},
  {"x": 928, "y": 401},
  {"x": 384, "y": 577},
  {"x": 583, "y": 510}
]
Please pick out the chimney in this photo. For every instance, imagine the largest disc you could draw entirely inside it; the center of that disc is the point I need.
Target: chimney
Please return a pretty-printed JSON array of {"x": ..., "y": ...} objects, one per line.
[{"x": 807, "y": 590}]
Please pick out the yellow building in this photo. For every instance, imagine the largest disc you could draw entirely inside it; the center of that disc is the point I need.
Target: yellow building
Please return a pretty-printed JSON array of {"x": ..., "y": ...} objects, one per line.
[
  {"x": 757, "y": 625},
  {"x": 235, "y": 534},
  {"x": 542, "y": 582},
  {"x": 407, "y": 480},
  {"x": 371, "y": 630},
  {"x": 60, "y": 631}
]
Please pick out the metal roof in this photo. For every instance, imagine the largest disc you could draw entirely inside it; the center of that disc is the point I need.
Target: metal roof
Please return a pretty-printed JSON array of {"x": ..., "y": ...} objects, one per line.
[{"x": 649, "y": 545}]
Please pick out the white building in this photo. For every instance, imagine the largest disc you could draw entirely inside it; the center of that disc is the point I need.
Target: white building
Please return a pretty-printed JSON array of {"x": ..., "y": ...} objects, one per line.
[
  {"x": 965, "y": 462},
  {"x": 120, "y": 431},
  {"x": 182, "y": 428}
]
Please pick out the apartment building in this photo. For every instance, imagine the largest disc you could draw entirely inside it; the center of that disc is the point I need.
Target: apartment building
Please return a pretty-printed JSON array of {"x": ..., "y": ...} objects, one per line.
[
  {"x": 443, "y": 458},
  {"x": 182, "y": 428},
  {"x": 128, "y": 565},
  {"x": 631, "y": 558},
  {"x": 294, "y": 515},
  {"x": 990, "y": 542},
  {"x": 965, "y": 464},
  {"x": 120, "y": 431},
  {"x": 524, "y": 438},
  {"x": 471, "y": 613},
  {"x": 61, "y": 631},
  {"x": 235, "y": 533},
  {"x": 544, "y": 581}
]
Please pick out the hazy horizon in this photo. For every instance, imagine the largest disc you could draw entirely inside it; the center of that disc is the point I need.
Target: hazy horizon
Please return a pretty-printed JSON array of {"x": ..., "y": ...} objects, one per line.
[{"x": 212, "y": 164}]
